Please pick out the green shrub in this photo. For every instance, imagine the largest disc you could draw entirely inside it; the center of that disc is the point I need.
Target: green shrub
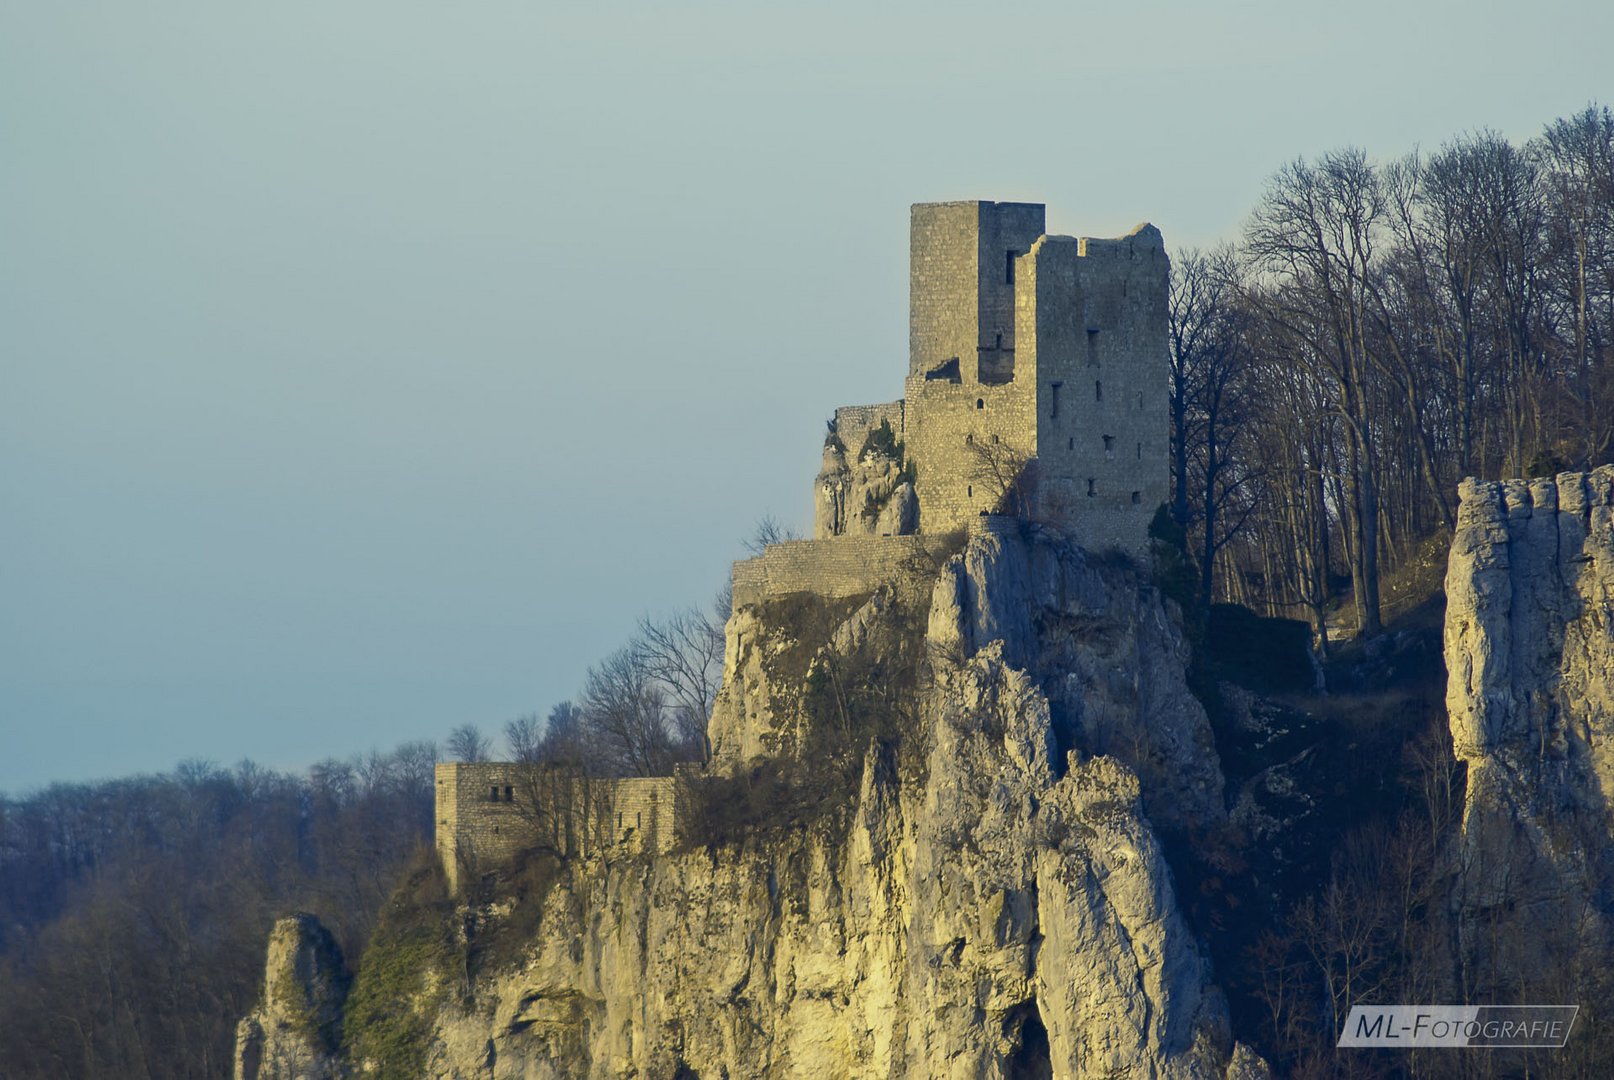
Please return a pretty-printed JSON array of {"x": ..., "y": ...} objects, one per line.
[
  {"x": 404, "y": 975},
  {"x": 524, "y": 886},
  {"x": 882, "y": 440}
]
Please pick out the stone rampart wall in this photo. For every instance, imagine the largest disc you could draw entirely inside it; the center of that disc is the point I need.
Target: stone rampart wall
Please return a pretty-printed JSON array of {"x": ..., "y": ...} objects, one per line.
[
  {"x": 854, "y": 422},
  {"x": 835, "y": 567}
]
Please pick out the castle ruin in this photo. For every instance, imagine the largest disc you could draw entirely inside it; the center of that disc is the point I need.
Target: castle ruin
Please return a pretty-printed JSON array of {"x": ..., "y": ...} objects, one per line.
[
  {"x": 1036, "y": 385},
  {"x": 487, "y": 812},
  {"x": 1036, "y": 388}
]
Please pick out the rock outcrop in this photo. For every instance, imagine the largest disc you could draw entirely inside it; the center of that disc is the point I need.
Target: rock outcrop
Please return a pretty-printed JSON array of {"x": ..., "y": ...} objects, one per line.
[
  {"x": 1530, "y": 652},
  {"x": 991, "y": 900},
  {"x": 868, "y": 495},
  {"x": 294, "y": 1032},
  {"x": 1002, "y": 910}
]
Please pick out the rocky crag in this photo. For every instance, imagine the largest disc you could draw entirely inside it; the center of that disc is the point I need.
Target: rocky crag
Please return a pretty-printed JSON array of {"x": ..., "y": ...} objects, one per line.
[
  {"x": 295, "y": 1030},
  {"x": 1530, "y": 656},
  {"x": 989, "y": 899}
]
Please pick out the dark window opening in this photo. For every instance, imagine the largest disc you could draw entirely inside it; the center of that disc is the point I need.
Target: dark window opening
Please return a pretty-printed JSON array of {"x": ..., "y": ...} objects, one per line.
[
  {"x": 619, "y": 821},
  {"x": 509, "y": 794},
  {"x": 994, "y": 439},
  {"x": 969, "y": 491},
  {"x": 1092, "y": 346},
  {"x": 947, "y": 371},
  {"x": 994, "y": 367},
  {"x": 1092, "y": 487},
  {"x": 1008, "y": 267},
  {"x": 999, "y": 344},
  {"x": 1070, "y": 444},
  {"x": 1140, "y": 451},
  {"x": 638, "y": 818},
  {"x": 1098, "y": 391},
  {"x": 969, "y": 440},
  {"x": 1137, "y": 498},
  {"x": 980, "y": 403},
  {"x": 493, "y": 794},
  {"x": 1053, "y": 400}
]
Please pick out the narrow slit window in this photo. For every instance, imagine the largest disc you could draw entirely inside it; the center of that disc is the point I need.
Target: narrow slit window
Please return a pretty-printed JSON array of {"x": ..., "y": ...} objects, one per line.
[
  {"x": 1140, "y": 399},
  {"x": 509, "y": 794},
  {"x": 1070, "y": 443},
  {"x": 994, "y": 440},
  {"x": 1008, "y": 268},
  {"x": 493, "y": 794},
  {"x": 1109, "y": 447},
  {"x": 1000, "y": 339},
  {"x": 1053, "y": 400},
  {"x": 969, "y": 440},
  {"x": 1137, "y": 498},
  {"x": 1098, "y": 391},
  {"x": 1092, "y": 487},
  {"x": 1140, "y": 451},
  {"x": 969, "y": 491}
]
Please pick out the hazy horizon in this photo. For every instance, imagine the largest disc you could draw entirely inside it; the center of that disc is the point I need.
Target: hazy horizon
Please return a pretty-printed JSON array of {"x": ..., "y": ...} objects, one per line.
[{"x": 366, "y": 370}]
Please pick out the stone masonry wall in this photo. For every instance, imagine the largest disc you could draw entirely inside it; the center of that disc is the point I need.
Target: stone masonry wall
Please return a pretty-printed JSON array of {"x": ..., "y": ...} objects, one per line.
[
  {"x": 943, "y": 271},
  {"x": 854, "y": 422},
  {"x": 1092, "y": 319},
  {"x": 841, "y": 566},
  {"x": 961, "y": 304},
  {"x": 1060, "y": 345},
  {"x": 485, "y": 814}
]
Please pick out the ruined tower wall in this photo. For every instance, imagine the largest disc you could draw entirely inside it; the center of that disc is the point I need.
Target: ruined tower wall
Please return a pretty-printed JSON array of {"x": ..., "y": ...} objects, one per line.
[
  {"x": 487, "y": 812},
  {"x": 1043, "y": 350},
  {"x": 961, "y": 305},
  {"x": 1092, "y": 322},
  {"x": 961, "y": 281},
  {"x": 943, "y": 273},
  {"x": 954, "y": 428}
]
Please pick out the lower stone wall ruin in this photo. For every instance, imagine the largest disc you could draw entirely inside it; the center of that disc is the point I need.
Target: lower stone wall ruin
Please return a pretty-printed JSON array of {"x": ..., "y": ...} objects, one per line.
[{"x": 488, "y": 812}]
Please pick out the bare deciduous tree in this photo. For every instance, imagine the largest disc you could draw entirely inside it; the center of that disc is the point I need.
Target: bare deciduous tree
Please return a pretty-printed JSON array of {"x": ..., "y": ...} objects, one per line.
[{"x": 467, "y": 743}]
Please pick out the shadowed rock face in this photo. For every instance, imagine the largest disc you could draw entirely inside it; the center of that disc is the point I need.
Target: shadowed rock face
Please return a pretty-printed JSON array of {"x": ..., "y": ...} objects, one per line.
[
  {"x": 1530, "y": 656},
  {"x": 294, "y": 1031}
]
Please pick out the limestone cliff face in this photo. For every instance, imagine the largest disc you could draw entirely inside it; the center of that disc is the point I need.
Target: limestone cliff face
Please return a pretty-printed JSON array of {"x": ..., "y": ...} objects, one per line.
[
  {"x": 1530, "y": 656},
  {"x": 293, "y": 1033},
  {"x": 867, "y": 496},
  {"x": 1003, "y": 911}
]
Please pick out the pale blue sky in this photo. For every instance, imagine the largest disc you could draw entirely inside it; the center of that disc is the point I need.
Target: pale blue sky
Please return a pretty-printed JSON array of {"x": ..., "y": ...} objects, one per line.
[{"x": 370, "y": 368}]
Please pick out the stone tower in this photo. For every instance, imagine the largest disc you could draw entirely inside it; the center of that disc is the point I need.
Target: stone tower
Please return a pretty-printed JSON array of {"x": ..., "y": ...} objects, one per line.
[{"x": 1035, "y": 350}]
